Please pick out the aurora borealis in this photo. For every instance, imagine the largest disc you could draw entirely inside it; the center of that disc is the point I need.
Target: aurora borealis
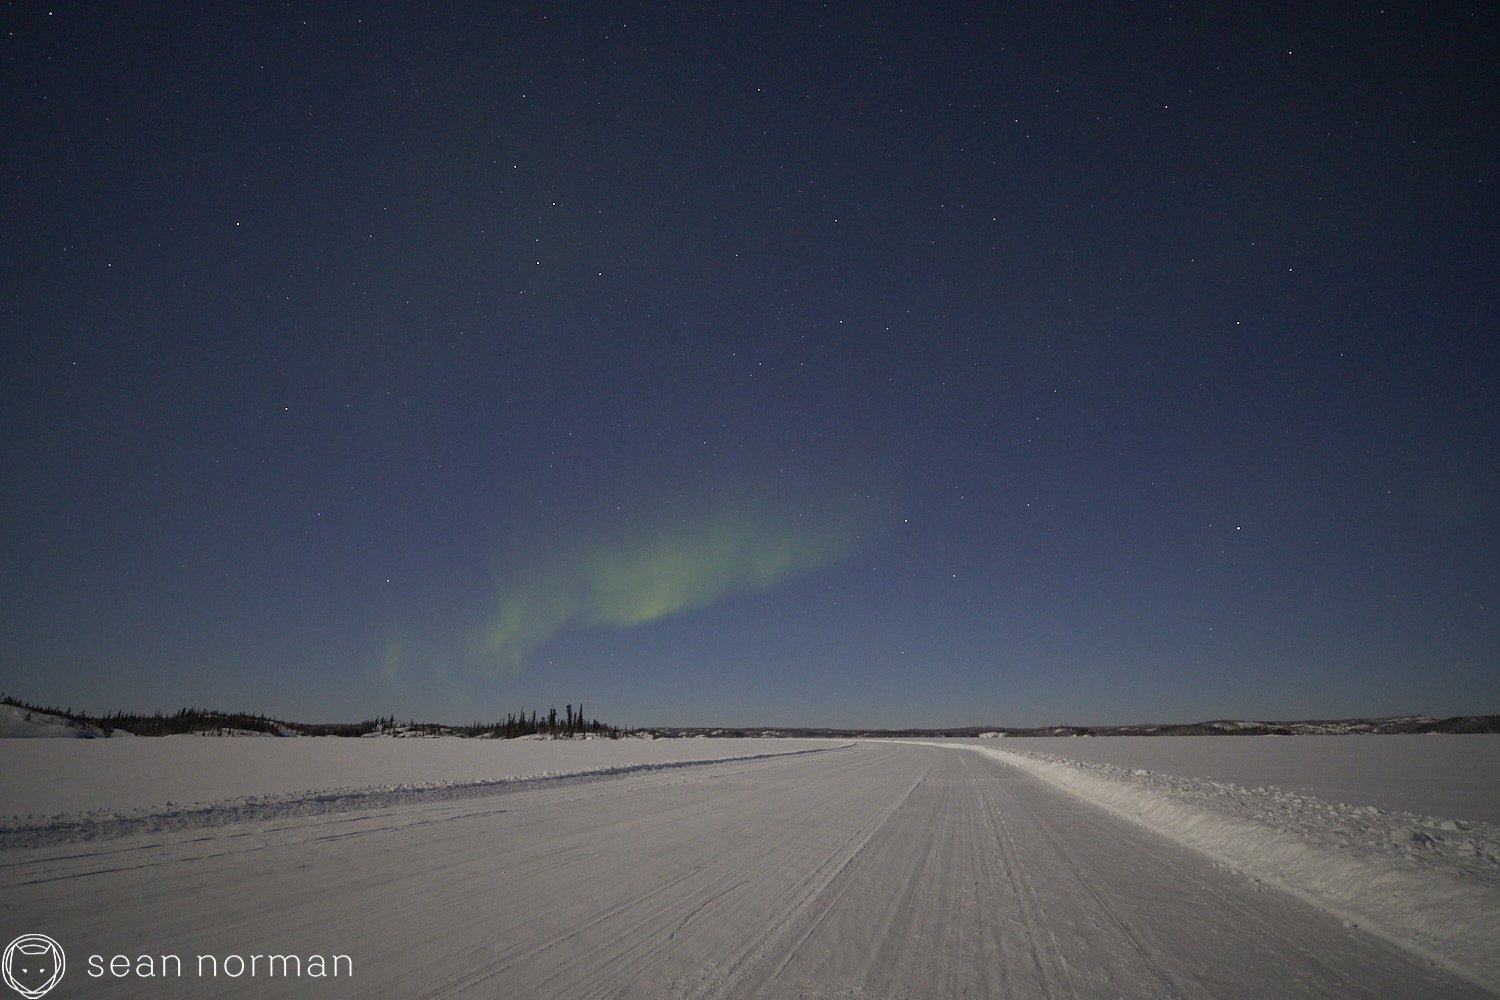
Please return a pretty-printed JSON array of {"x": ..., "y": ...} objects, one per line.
[
  {"x": 632, "y": 577},
  {"x": 864, "y": 366}
]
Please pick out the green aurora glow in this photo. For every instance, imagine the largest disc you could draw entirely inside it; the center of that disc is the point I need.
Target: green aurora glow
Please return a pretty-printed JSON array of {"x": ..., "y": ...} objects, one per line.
[{"x": 647, "y": 574}]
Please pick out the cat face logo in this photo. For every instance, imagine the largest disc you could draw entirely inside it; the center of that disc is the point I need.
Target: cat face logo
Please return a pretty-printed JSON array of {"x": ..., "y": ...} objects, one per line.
[{"x": 33, "y": 964}]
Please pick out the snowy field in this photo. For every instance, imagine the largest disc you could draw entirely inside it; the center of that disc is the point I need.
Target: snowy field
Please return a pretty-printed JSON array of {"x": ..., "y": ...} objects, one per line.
[
  {"x": 729, "y": 868},
  {"x": 43, "y": 777},
  {"x": 1455, "y": 777}
]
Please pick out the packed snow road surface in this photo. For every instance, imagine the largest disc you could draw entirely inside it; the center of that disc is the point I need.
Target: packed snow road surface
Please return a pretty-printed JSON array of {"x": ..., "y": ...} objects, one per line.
[{"x": 866, "y": 870}]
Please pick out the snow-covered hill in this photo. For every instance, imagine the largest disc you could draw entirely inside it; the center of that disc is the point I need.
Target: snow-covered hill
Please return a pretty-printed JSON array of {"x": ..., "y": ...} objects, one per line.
[{"x": 17, "y": 722}]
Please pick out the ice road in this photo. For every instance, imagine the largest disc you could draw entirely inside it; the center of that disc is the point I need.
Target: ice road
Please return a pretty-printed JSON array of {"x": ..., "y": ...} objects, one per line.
[{"x": 861, "y": 870}]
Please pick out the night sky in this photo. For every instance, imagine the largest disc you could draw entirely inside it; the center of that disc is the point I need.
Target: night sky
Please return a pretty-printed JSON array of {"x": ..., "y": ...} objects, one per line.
[{"x": 850, "y": 365}]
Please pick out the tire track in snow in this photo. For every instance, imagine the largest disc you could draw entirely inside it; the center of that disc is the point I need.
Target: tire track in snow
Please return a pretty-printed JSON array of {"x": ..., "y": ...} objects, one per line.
[
  {"x": 1043, "y": 948},
  {"x": 910, "y": 911},
  {"x": 811, "y": 911},
  {"x": 1152, "y": 959},
  {"x": 636, "y": 928}
]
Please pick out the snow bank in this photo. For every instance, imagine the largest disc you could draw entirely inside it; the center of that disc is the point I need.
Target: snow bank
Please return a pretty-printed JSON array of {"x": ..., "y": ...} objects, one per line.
[{"x": 1430, "y": 885}]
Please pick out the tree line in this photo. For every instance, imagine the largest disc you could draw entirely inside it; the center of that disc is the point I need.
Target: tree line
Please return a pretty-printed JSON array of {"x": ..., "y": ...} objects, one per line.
[
  {"x": 196, "y": 720},
  {"x": 571, "y": 724}
]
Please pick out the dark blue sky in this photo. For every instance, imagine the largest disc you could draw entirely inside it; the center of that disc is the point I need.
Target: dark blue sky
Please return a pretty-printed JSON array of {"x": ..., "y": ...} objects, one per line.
[{"x": 795, "y": 365}]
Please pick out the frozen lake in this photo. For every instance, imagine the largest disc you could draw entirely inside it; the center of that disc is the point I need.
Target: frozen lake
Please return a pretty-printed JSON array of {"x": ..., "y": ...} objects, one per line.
[{"x": 42, "y": 777}]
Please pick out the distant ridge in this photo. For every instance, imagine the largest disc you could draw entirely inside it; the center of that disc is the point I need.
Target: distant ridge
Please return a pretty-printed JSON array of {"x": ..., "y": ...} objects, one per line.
[{"x": 1400, "y": 724}]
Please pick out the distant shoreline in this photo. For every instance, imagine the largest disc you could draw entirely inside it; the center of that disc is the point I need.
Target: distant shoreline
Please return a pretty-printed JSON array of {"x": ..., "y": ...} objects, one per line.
[{"x": 22, "y": 719}]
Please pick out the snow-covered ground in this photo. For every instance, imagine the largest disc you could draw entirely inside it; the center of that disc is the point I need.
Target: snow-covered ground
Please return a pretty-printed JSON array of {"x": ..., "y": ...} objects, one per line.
[
  {"x": 39, "y": 778},
  {"x": 784, "y": 868}
]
